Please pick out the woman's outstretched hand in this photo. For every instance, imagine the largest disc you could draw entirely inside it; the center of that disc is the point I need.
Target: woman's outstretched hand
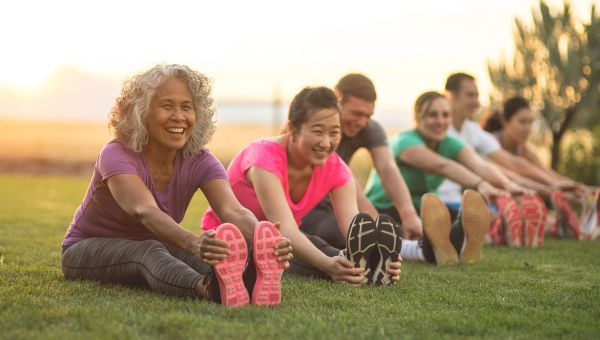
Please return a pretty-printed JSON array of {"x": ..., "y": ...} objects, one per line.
[
  {"x": 489, "y": 192},
  {"x": 283, "y": 250},
  {"x": 208, "y": 248},
  {"x": 341, "y": 269},
  {"x": 394, "y": 270},
  {"x": 413, "y": 227}
]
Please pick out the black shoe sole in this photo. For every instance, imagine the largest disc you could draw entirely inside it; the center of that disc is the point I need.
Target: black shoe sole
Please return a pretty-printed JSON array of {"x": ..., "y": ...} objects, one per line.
[
  {"x": 362, "y": 242},
  {"x": 389, "y": 244}
]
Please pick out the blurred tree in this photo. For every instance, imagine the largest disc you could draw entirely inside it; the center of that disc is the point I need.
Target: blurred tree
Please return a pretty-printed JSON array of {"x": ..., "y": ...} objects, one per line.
[
  {"x": 581, "y": 159},
  {"x": 556, "y": 66}
]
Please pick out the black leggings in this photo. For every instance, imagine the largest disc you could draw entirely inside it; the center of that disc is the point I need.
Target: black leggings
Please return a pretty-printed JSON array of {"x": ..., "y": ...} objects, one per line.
[
  {"x": 166, "y": 269},
  {"x": 321, "y": 222},
  {"x": 321, "y": 228}
]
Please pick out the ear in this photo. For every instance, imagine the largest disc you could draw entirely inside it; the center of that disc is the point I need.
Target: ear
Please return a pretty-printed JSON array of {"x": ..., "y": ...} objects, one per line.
[{"x": 289, "y": 128}]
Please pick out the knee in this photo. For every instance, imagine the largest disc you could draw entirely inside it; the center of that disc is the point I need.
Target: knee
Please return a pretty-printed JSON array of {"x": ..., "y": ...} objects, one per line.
[
  {"x": 151, "y": 248},
  {"x": 68, "y": 260},
  {"x": 151, "y": 244}
]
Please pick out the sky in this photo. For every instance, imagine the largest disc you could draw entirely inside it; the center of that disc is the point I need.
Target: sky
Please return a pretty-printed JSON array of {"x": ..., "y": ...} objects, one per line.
[{"x": 251, "y": 49}]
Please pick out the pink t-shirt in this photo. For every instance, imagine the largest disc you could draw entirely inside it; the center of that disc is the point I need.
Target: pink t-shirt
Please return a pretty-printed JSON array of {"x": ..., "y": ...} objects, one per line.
[{"x": 272, "y": 157}]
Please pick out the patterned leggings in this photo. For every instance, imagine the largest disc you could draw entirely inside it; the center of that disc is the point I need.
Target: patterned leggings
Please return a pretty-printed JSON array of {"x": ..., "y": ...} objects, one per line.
[{"x": 166, "y": 269}]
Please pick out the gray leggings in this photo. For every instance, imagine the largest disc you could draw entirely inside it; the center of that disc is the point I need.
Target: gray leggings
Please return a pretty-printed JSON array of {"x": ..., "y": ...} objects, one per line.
[{"x": 166, "y": 269}]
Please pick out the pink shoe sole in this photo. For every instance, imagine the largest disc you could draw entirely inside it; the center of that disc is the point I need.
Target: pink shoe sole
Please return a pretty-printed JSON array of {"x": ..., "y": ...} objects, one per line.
[
  {"x": 563, "y": 206},
  {"x": 511, "y": 214},
  {"x": 534, "y": 216},
  {"x": 598, "y": 205},
  {"x": 229, "y": 271},
  {"x": 267, "y": 289},
  {"x": 495, "y": 231}
]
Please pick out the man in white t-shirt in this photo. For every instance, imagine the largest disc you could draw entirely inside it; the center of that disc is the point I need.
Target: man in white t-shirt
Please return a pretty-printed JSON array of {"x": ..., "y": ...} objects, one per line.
[{"x": 463, "y": 95}]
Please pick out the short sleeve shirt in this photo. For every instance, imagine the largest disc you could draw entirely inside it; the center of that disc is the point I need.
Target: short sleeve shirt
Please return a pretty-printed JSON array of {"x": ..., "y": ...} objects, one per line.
[
  {"x": 99, "y": 215},
  {"x": 473, "y": 135},
  {"x": 483, "y": 142},
  {"x": 519, "y": 150},
  {"x": 370, "y": 136},
  {"x": 418, "y": 181},
  {"x": 271, "y": 156}
]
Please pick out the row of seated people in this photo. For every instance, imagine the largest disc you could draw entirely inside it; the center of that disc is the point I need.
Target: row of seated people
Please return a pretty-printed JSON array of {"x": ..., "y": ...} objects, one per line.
[{"x": 288, "y": 201}]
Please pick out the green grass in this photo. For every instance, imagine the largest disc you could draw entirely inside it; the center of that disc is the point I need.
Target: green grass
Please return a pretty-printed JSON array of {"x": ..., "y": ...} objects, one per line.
[{"x": 553, "y": 292}]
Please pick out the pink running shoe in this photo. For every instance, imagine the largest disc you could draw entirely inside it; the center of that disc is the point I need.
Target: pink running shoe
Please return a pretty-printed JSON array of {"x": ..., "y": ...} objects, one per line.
[
  {"x": 229, "y": 271},
  {"x": 495, "y": 232},
  {"x": 513, "y": 223},
  {"x": 267, "y": 289},
  {"x": 565, "y": 213},
  {"x": 598, "y": 205},
  {"x": 544, "y": 223},
  {"x": 554, "y": 230},
  {"x": 589, "y": 217},
  {"x": 534, "y": 215}
]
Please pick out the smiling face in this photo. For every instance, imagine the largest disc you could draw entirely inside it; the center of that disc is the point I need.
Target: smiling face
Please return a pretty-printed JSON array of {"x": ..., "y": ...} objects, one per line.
[
  {"x": 433, "y": 123},
  {"x": 318, "y": 137},
  {"x": 355, "y": 114},
  {"x": 171, "y": 117},
  {"x": 518, "y": 128}
]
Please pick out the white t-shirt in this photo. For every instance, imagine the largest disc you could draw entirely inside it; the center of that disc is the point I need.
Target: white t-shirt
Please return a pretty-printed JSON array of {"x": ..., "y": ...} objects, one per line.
[{"x": 483, "y": 142}]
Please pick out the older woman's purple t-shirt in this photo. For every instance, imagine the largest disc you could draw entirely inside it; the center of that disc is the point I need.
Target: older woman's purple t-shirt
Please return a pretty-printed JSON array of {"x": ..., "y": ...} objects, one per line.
[{"x": 99, "y": 215}]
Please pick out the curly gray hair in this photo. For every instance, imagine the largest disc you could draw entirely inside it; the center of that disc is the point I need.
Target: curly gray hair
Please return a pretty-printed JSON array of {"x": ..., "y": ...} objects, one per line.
[{"x": 126, "y": 119}]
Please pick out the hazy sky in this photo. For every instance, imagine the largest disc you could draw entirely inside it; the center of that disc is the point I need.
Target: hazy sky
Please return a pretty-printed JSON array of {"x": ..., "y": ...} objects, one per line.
[{"x": 250, "y": 48}]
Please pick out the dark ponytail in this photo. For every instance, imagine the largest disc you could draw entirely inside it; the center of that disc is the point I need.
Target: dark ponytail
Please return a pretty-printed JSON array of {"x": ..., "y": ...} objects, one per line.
[{"x": 492, "y": 121}]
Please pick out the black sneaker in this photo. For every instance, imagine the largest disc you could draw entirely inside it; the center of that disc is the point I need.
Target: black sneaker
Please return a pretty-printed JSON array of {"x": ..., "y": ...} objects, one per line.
[
  {"x": 362, "y": 243},
  {"x": 388, "y": 244}
]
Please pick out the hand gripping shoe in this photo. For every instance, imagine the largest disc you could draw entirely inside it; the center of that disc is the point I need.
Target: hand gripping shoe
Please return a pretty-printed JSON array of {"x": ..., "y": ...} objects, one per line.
[
  {"x": 267, "y": 289},
  {"x": 389, "y": 244}
]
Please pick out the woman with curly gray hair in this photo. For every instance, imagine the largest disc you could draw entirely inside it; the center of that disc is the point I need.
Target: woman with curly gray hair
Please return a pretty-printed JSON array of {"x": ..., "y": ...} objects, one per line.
[{"x": 127, "y": 228}]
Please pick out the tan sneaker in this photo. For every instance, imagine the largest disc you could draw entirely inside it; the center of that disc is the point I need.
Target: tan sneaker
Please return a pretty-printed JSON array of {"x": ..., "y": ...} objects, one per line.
[
  {"x": 436, "y": 225},
  {"x": 475, "y": 220}
]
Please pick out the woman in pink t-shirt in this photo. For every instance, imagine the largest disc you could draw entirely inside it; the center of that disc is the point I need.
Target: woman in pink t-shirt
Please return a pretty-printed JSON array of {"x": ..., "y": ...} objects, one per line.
[{"x": 282, "y": 178}]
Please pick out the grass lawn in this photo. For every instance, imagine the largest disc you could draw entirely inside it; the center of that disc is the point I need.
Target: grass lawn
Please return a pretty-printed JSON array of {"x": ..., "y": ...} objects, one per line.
[{"x": 550, "y": 293}]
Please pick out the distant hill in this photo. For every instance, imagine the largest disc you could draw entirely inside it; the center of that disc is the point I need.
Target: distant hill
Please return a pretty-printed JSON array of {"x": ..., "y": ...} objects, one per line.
[
  {"x": 71, "y": 95},
  {"x": 68, "y": 94}
]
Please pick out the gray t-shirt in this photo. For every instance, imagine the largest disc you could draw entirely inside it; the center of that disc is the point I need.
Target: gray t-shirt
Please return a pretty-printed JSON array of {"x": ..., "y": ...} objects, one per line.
[{"x": 371, "y": 136}]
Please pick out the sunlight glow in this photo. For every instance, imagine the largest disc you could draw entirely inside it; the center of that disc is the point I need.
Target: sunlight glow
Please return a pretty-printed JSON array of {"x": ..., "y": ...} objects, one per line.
[{"x": 248, "y": 48}]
